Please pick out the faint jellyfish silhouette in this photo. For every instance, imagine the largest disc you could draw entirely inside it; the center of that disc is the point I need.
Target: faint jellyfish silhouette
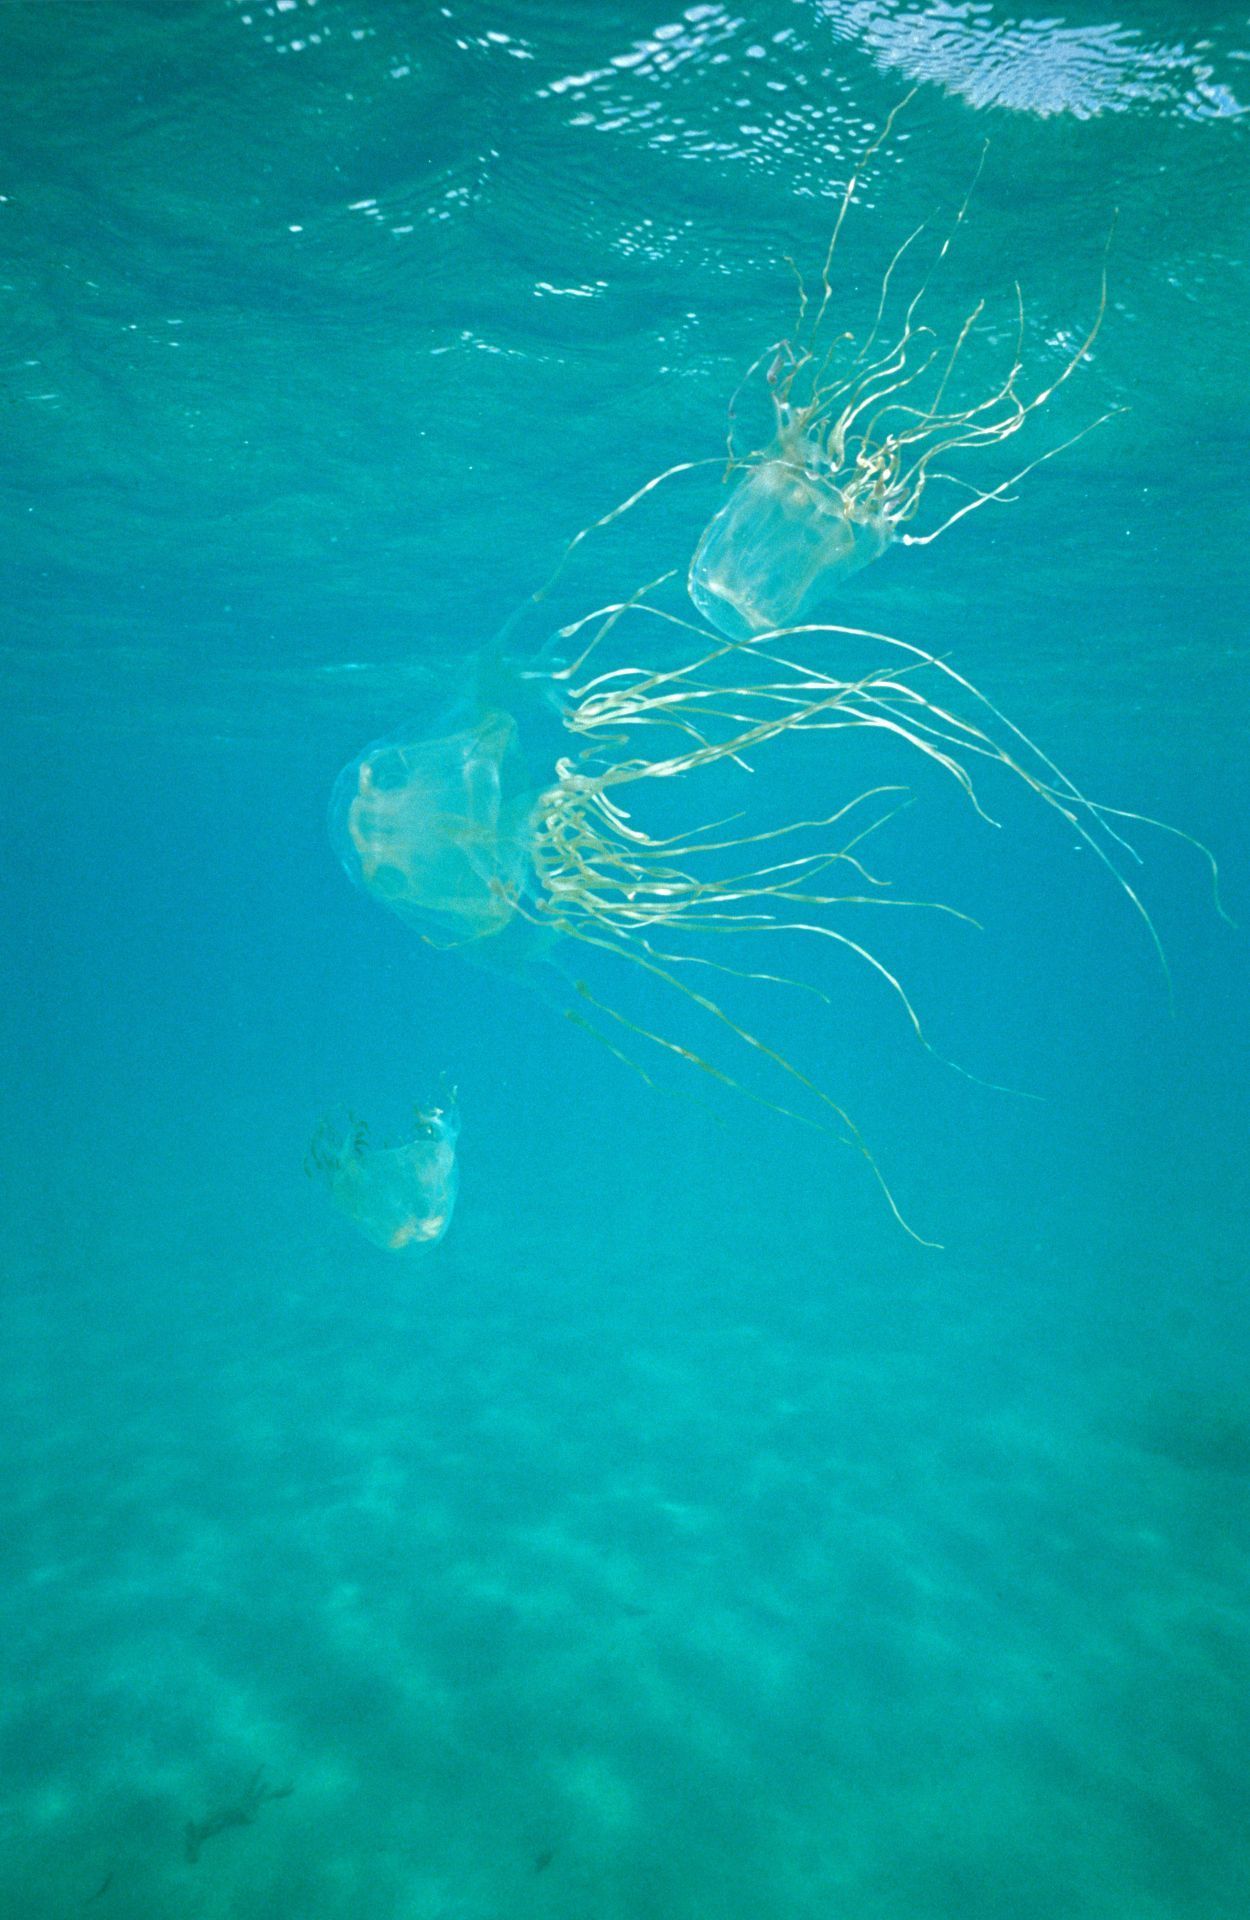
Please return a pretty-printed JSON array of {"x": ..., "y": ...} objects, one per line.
[
  {"x": 484, "y": 840},
  {"x": 400, "y": 1197}
]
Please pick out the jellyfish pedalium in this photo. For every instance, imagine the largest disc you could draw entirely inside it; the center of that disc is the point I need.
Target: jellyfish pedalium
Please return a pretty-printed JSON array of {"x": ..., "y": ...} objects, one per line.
[{"x": 465, "y": 835}]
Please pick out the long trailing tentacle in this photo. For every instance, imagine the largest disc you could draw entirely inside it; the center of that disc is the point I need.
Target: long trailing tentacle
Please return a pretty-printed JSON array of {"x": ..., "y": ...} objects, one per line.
[
  {"x": 848, "y": 195},
  {"x": 808, "y": 699},
  {"x": 616, "y": 513},
  {"x": 878, "y": 430},
  {"x": 850, "y": 1136},
  {"x": 609, "y": 882}
]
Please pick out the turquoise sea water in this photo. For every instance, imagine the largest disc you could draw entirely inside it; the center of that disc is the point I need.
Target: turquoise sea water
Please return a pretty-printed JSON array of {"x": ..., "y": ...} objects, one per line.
[{"x": 677, "y": 1539}]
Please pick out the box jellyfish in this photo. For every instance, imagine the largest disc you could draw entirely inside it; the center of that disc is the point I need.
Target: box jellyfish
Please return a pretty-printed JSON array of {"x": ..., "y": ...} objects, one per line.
[
  {"x": 477, "y": 834},
  {"x": 400, "y": 1197},
  {"x": 860, "y": 432}
]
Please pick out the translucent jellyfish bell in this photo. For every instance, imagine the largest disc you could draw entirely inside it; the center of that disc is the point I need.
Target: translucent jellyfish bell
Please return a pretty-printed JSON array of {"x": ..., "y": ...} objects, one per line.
[
  {"x": 400, "y": 1197},
  {"x": 437, "y": 829},
  {"x": 784, "y": 540}
]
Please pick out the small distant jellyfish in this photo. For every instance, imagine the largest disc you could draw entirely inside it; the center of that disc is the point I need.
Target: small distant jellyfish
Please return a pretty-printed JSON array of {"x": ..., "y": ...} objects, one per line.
[
  {"x": 859, "y": 433},
  {"x": 400, "y": 1197}
]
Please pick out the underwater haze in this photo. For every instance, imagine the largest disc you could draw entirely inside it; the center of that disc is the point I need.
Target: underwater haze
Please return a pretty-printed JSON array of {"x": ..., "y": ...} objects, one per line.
[{"x": 809, "y": 1474}]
